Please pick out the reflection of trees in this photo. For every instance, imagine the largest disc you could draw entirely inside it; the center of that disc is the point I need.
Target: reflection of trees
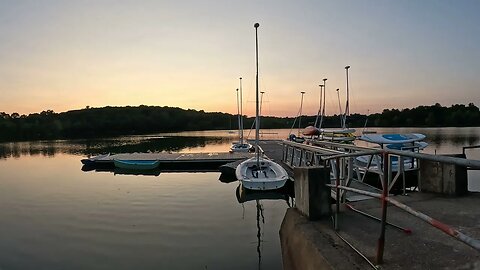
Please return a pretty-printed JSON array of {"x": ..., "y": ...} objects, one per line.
[
  {"x": 96, "y": 146},
  {"x": 456, "y": 139}
]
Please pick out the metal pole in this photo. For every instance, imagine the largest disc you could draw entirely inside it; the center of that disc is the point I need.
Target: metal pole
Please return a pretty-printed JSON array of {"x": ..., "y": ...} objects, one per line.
[
  {"x": 323, "y": 107},
  {"x": 257, "y": 108},
  {"x": 347, "y": 104},
  {"x": 383, "y": 222},
  {"x": 340, "y": 110},
  {"x": 300, "y": 114},
  {"x": 241, "y": 113},
  {"x": 319, "y": 107},
  {"x": 238, "y": 114}
]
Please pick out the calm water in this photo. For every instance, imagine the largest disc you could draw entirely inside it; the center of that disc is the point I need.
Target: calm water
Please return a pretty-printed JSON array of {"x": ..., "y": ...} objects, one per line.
[{"x": 53, "y": 215}]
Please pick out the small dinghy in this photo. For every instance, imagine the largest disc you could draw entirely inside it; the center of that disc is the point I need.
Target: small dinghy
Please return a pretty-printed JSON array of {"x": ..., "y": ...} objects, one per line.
[
  {"x": 136, "y": 164},
  {"x": 241, "y": 147},
  {"x": 262, "y": 174}
]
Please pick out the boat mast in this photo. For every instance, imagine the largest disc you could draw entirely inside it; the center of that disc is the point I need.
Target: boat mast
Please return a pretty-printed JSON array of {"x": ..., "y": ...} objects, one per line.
[
  {"x": 366, "y": 120},
  {"x": 323, "y": 108},
  {"x": 342, "y": 123},
  {"x": 300, "y": 114},
  {"x": 257, "y": 109},
  {"x": 241, "y": 114},
  {"x": 347, "y": 105},
  {"x": 319, "y": 107},
  {"x": 238, "y": 116}
]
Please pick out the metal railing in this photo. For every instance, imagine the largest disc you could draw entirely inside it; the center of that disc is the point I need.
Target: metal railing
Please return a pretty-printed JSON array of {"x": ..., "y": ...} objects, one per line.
[
  {"x": 301, "y": 155},
  {"x": 334, "y": 159}
]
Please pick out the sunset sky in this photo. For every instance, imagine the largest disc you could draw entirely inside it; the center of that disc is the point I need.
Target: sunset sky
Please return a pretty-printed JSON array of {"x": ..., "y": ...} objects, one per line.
[{"x": 65, "y": 55}]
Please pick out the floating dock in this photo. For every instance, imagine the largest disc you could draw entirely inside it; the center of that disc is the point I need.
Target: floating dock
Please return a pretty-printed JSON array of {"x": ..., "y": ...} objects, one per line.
[{"x": 188, "y": 162}]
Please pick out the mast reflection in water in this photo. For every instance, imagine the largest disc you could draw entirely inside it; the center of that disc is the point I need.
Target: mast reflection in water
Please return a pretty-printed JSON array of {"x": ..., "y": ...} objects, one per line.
[{"x": 244, "y": 195}]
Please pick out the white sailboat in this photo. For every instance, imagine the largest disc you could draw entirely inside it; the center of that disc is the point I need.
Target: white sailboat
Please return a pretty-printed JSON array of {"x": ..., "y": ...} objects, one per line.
[
  {"x": 260, "y": 173},
  {"x": 242, "y": 145}
]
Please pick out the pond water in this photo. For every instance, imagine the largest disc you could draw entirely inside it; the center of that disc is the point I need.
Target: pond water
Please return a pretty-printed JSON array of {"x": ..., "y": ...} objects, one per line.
[{"x": 53, "y": 215}]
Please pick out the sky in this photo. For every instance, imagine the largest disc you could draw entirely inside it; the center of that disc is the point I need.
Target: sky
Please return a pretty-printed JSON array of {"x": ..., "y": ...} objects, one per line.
[{"x": 66, "y": 55}]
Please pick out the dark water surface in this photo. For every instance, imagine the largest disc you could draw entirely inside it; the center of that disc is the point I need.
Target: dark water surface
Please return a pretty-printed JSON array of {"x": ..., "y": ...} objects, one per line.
[{"x": 53, "y": 215}]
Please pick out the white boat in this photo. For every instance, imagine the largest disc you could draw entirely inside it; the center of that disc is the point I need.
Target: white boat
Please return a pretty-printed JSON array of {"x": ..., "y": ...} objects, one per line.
[
  {"x": 405, "y": 142},
  {"x": 241, "y": 146},
  {"x": 260, "y": 173},
  {"x": 386, "y": 139}
]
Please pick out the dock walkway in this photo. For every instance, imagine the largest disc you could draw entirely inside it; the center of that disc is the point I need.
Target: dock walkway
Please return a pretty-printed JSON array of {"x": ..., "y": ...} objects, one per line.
[{"x": 177, "y": 161}]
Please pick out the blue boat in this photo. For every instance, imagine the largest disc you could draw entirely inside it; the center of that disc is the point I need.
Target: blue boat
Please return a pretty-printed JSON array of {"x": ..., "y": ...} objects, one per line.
[{"x": 136, "y": 164}]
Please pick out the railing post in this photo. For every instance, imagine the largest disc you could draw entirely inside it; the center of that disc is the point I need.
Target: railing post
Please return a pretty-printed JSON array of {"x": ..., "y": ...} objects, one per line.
[
  {"x": 302, "y": 151},
  {"x": 293, "y": 156},
  {"x": 383, "y": 222},
  {"x": 337, "y": 193}
]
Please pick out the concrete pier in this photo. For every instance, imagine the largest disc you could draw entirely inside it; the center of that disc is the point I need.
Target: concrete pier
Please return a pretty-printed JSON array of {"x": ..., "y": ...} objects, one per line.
[{"x": 443, "y": 178}]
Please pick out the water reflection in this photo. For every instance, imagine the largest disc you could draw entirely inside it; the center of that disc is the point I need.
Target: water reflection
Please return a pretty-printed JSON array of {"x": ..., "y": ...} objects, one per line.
[
  {"x": 90, "y": 147},
  {"x": 244, "y": 195},
  {"x": 119, "y": 171},
  {"x": 438, "y": 137},
  {"x": 454, "y": 138}
]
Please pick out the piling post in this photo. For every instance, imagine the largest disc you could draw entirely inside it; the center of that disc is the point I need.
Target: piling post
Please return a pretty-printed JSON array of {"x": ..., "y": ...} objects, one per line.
[{"x": 312, "y": 195}]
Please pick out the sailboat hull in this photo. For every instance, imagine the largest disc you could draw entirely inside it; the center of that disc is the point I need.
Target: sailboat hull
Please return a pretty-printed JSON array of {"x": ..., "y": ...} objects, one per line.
[
  {"x": 243, "y": 148},
  {"x": 311, "y": 131},
  {"x": 269, "y": 176}
]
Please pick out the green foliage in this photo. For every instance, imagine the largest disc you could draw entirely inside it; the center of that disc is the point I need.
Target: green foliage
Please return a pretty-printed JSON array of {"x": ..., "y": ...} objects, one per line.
[{"x": 113, "y": 121}]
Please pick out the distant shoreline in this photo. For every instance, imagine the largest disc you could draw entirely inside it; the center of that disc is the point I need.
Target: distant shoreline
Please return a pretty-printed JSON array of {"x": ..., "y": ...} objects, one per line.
[{"x": 141, "y": 120}]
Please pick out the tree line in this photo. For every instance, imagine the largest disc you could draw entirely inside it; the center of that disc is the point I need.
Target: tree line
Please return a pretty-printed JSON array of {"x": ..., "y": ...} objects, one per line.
[{"x": 114, "y": 121}]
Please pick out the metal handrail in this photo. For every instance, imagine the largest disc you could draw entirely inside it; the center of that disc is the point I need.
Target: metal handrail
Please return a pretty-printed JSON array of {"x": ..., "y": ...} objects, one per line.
[
  {"x": 475, "y": 243},
  {"x": 385, "y": 199},
  {"x": 474, "y": 164}
]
